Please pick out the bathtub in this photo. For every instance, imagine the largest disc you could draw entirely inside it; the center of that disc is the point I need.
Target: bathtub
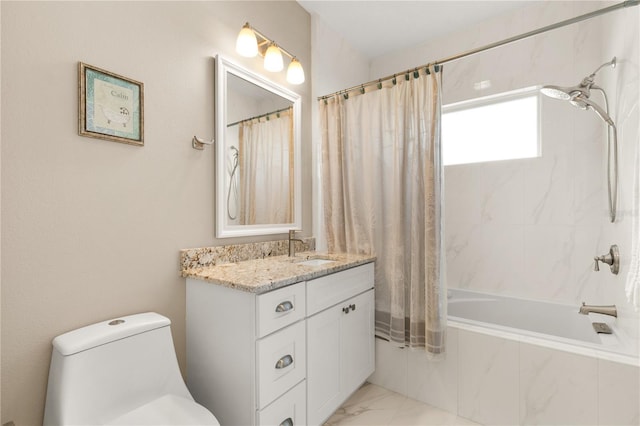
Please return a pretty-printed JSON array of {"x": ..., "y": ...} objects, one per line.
[{"x": 553, "y": 325}]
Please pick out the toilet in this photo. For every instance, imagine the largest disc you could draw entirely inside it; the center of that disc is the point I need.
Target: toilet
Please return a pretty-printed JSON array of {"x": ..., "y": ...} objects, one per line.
[{"x": 120, "y": 372}]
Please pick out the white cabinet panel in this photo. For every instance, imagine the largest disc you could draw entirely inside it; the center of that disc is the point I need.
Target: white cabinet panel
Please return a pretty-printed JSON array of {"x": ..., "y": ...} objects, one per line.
[
  {"x": 340, "y": 342},
  {"x": 281, "y": 362},
  {"x": 288, "y": 410},
  {"x": 358, "y": 345},
  {"x": 326, "y": 291},
  {"x": 324, "y": 390},
  {"x": 279, "y": 308}
]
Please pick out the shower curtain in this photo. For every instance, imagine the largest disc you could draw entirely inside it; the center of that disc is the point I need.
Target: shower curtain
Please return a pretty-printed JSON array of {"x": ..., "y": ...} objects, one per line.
[
  {"x": 265, "y": 162},
  {"x": 382, "y": 189}
]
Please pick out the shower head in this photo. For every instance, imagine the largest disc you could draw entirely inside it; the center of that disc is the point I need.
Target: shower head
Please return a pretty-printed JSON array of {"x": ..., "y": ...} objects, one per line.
[
  {"x": 579, "y": 95},
  {"x": 557, "y": 92}
]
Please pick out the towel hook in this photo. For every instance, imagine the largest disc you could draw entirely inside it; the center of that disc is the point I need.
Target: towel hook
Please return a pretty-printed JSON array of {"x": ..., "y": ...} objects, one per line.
[{"x": 198, "y": 143}]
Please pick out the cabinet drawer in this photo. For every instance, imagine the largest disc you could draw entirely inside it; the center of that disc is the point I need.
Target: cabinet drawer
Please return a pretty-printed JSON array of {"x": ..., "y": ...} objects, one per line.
[
  {"x": 281, "y": 362},
  {"x": 288, "y": 410},
  {"x": 326, "y": 291},
  {"x": 280, "y": 308}
]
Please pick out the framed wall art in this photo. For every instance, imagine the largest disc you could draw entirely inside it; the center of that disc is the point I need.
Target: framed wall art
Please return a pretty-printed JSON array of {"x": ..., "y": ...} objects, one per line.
[{"x": 110, "y": 106}]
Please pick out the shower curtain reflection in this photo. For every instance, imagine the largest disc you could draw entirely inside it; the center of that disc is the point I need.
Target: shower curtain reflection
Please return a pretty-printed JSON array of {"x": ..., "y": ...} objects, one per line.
[
  {"x": 265, "y": 147},
  {"x": 381, "y": 181}
]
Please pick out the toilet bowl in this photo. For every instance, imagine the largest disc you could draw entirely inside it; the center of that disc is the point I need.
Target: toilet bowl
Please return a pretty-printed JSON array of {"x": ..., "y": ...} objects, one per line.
[{"x": 120, "y": 372}]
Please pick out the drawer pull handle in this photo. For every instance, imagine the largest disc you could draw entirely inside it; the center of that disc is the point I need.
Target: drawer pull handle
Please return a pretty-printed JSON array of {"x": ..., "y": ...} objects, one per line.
[
  {"x": 353, "y": 307},
  {"x": 284, "y": 306},
  {"x": 284, "y": 362},
  {"x": 287, "y": 422},
  {"x": 346, "y": 310}
]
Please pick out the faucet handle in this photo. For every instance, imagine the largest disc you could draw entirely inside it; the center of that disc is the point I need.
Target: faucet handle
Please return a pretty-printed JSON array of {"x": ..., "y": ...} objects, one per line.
[{"x": 612, "y": 259}]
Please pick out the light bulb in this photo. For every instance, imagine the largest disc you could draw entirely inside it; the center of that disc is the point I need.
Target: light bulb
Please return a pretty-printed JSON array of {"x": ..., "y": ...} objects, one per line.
[
  {"x": 247, "y": 44},
  {"x": 295, "y": 73},
  {"x": 273, "y": 59}
]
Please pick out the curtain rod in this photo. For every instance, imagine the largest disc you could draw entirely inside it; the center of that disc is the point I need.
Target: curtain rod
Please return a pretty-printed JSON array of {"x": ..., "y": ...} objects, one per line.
[
  {"x": 622, "y": 5},
  {"x": 266, "y": 114}
]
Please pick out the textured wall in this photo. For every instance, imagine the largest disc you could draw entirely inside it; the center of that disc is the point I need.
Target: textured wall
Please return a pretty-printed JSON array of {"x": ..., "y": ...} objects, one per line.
[{"x": 91, "y": 229}]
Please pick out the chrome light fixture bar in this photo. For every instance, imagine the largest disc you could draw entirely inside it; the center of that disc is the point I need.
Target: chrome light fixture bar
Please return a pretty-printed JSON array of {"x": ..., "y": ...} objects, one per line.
[{"x": 252, "y": 42}]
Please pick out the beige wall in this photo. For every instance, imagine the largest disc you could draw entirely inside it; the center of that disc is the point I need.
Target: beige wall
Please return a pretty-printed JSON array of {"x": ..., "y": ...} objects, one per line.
[{"x": 91, "y": 229}]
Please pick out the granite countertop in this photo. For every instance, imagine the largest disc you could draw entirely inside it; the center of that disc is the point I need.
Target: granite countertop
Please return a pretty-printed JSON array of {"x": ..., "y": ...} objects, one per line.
[{"x": 262, "y": 275}]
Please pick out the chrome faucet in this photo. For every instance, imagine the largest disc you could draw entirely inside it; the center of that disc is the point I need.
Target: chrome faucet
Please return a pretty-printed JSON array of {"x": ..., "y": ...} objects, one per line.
[
  {"x": 603, "y": 309},
  {"x": 292, "y": 239}
]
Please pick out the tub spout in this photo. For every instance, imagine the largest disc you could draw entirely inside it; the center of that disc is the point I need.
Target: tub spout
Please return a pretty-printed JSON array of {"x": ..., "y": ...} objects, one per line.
[{"x": 606, "y": 309}]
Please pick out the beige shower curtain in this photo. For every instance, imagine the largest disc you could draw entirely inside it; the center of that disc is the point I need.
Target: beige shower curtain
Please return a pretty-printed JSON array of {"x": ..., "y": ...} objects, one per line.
[
  {"x": 382, "y": 189},
  {"x": 265, "y": 162}
]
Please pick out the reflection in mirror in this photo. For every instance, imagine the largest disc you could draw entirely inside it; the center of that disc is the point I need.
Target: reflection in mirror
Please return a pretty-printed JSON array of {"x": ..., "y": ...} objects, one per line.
[{"x": 258, "y": 139}]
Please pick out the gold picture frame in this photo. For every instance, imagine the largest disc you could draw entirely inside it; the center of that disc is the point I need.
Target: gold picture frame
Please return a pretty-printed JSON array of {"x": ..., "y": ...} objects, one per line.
[{"x": 110, "y": 106}]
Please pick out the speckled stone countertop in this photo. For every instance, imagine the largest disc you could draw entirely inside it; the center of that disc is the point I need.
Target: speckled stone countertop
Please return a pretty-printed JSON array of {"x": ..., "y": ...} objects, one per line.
[{"x": 262, "y": 275}]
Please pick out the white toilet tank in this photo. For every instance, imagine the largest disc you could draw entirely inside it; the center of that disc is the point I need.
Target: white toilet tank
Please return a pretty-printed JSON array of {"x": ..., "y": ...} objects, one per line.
[{"x": 119, "y": 371}]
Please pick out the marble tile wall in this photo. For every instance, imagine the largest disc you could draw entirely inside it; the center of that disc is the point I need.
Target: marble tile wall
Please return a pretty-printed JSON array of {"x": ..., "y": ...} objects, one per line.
[
  {"x": 530, "y": 228},
  {"x": 491, "y": 380}
]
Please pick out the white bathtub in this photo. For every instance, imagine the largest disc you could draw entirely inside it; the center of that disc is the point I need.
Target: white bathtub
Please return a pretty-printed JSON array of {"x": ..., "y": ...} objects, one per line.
[
  {"x": 552, "y": 325},
  {"x": 520, "y": 362}
]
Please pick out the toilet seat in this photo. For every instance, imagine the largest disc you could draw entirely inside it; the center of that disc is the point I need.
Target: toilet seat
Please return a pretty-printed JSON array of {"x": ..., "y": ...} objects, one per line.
[{"x": 168, "y": 410}]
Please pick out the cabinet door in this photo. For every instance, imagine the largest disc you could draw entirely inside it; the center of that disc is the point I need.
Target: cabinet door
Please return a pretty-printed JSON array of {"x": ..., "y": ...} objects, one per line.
[
  {"x": 323, "y": 365},
  {"x": 357, "y": 341},
  {"x": 340, "y": 354}
]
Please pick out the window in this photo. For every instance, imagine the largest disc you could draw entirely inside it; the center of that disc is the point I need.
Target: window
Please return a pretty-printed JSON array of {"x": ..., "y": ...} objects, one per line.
[{"x": 499, "y": 127}]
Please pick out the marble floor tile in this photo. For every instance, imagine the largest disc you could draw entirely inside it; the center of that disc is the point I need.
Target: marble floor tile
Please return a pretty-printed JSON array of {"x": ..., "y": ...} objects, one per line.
[{"x": 374, "y": 405}]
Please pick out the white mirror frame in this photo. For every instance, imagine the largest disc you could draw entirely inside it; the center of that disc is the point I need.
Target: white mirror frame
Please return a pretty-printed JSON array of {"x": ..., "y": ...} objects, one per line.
[{"x": 223, "y": 229}]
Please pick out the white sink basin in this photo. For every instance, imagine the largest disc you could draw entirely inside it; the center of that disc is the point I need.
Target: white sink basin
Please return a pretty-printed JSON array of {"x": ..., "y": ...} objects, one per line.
[{"x": 315, "y": 262}]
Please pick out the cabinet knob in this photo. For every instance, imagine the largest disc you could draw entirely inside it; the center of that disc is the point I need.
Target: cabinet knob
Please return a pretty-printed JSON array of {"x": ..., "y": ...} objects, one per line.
[
  {"x": 353, "y": 307},
  {"x": 284, "y": 306},
  {"x": 284, "y": 362},
  {"x": 345, "y": 310}
]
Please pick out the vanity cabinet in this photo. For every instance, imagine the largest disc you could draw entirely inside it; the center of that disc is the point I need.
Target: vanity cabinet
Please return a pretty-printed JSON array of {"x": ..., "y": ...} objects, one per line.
[
  {"x": 271, "y": 358},
  {"x": 340, "y": 339}
]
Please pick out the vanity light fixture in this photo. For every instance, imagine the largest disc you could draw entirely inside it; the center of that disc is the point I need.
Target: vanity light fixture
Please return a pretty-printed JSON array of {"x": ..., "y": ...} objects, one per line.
[
  {"x": 273, "y": 58},
  {"x": 252, "y": 42},
  {"x": 247, "y": 44}
]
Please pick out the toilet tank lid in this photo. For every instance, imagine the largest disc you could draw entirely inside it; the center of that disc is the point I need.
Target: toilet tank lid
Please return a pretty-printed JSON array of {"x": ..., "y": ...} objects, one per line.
[{"x": 108, "y": 331}]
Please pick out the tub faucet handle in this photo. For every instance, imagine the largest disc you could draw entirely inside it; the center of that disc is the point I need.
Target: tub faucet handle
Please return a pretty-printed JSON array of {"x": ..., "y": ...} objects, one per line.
[{"x": 612, "y": 259}]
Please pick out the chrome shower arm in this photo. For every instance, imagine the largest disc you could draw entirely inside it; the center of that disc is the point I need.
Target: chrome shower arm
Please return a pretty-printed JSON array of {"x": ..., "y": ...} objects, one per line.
[{"x": 611, "y": 63}]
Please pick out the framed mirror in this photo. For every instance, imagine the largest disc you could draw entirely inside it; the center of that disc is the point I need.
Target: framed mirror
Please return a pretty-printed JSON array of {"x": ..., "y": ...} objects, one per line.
[{"x": 258, "y": 176}]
